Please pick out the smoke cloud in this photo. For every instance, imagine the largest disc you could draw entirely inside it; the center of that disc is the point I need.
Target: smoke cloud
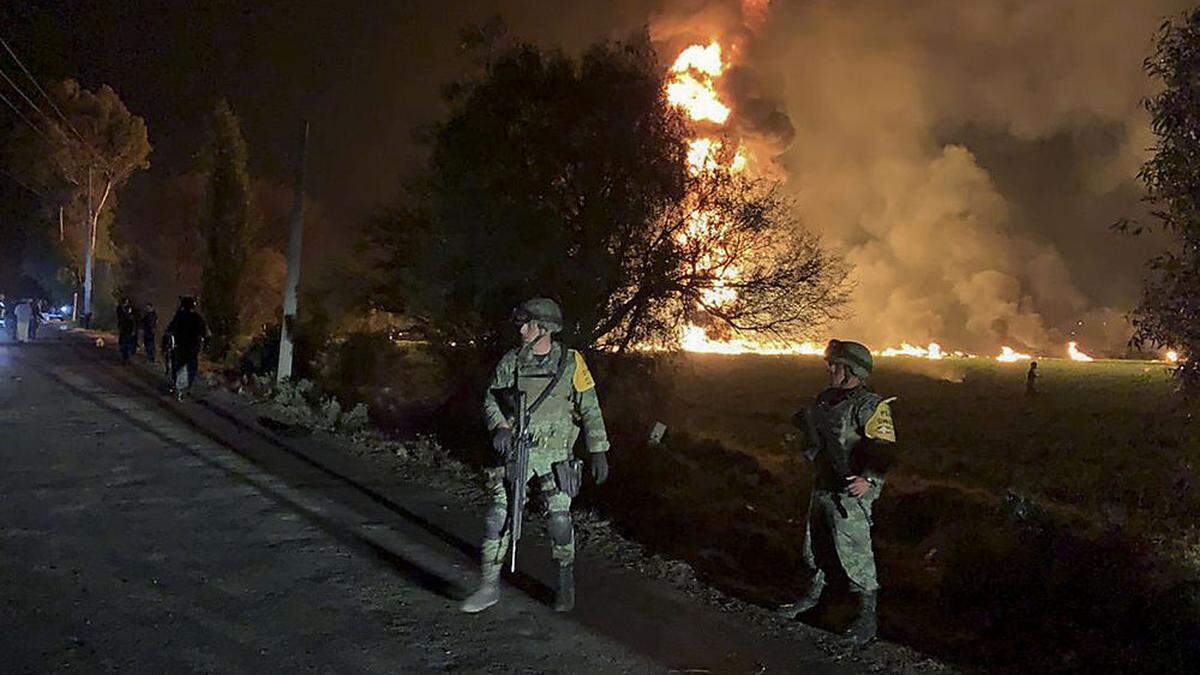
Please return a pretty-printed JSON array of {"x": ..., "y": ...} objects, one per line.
[{"x": 967, "y": 158}]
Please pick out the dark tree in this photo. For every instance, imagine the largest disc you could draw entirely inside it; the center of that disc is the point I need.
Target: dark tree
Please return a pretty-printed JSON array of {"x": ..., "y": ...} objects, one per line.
[
  {"x": 78, "y": 163},
  {"x": 226, "y": 225},
  {"x": 569, "y": 178},
  {"x": 1169, "y": 312}
]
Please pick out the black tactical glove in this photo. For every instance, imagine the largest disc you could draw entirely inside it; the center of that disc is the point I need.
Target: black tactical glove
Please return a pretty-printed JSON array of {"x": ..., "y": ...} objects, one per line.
[
  {"x": 599, "y": 467},
  {"x": 502, "y": 441}
]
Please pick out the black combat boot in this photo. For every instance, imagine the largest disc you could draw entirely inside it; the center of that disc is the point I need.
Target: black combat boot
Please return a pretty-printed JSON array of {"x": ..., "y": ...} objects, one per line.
[
  {"x": 862, "y": 630},
  {"x": 564, "y": 599},
  {"x": 487, "y": 595},
  {"x": 806, "y": 602}
]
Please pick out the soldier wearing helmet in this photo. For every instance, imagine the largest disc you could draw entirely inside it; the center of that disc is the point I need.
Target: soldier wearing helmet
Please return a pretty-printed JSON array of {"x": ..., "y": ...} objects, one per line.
[
  {"x": 187, "y": 332},
  {"x": 844, "y": 428},
  {"x": 563, "y": 400}
]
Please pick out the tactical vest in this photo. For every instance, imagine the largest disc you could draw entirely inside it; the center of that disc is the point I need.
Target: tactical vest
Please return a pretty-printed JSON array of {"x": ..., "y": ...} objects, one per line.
[
  {"x": 836, "y": 416},
  {"x": 553, "y": 423}
]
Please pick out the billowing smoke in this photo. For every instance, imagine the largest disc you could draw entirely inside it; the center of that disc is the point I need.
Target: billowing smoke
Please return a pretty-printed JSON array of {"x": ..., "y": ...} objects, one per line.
[{"x": 965, "y": 157}]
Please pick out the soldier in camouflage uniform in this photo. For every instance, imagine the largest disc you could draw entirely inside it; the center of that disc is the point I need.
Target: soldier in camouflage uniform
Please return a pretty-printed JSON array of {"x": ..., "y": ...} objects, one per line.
[
  {"x": 570, "y": 405},
  {"x": 843, "y": 429}
]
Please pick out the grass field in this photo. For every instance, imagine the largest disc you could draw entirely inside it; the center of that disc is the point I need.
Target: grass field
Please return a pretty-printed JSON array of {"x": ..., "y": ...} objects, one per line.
[
  {"x": 1104, "y": 435},
  {"x": 1064, "y": 522}
]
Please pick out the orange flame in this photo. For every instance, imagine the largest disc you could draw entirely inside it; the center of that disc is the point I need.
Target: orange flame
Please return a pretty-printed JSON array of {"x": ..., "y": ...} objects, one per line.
[
  {"x": 693, "y": 85},
  {"x": 1010, "y": 355},
  {"x": 704, "y": 154},
  {"x": 704, "y": 60},
  {"x": 695, "y": 339},
  {"x": 933, "y": 351},
  {"x": 1075, "y": 354}
]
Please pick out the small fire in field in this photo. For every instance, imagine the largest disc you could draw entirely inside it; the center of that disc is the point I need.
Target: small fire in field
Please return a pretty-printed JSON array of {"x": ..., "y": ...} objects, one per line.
[
  {"x": 1010, "y": 355},
  {"x": 1075, "y": 354}
]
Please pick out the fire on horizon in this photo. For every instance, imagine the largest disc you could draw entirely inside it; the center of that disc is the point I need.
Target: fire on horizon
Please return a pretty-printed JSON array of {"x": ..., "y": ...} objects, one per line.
[{"x": 693, "y": 86}]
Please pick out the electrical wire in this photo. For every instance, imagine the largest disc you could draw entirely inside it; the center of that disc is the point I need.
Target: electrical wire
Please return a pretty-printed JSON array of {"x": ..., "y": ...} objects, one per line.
[
  {"x": 24, "y": 118},
  {"x": 22, "y": 93},
  {"x": 18, "y": 181},
  {"x": 43, "y": 91}
]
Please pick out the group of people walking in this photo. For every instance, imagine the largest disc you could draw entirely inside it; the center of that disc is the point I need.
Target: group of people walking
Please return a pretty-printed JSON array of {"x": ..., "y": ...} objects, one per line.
[
  {"x": 132, "y": 324},
  {"x": 23, "y": 318},
  {"x": 182, "y": 340}
]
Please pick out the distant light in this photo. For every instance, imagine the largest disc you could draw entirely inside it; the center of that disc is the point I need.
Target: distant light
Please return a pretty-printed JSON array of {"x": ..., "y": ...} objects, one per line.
[
  {"x": 64, "y": 309},
  {"x": 1172, "y": 356}
]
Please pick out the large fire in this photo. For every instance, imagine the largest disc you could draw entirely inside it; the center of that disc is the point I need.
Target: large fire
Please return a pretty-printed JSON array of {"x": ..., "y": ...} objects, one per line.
[{"x": 692, "y": 85}]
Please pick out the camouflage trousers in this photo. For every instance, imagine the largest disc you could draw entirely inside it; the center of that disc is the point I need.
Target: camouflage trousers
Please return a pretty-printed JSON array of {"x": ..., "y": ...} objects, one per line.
[
  {"x": 837, "y": 538},
  {"x": 496, "y": 535}
]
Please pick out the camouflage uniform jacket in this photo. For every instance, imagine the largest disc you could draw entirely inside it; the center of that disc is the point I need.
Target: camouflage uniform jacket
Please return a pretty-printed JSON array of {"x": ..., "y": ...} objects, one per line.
[
  {"x": 840, "y": 427},
  {"x": 571, "y": 406}
]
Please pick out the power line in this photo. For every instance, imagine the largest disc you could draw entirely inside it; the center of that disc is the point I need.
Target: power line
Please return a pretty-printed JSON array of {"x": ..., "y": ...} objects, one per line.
[
  {"x": 18, "y": 182},
  {"x": 22, "y": 93},
  {"x": 24, "y": 118},
  {"x": 43, "y": 91}
]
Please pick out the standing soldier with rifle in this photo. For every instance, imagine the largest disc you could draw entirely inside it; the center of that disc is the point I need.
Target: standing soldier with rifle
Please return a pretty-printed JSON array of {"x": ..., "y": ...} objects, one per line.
[
  {"x": 844, "y": 430},
  {"x": 541, "y": 395}
]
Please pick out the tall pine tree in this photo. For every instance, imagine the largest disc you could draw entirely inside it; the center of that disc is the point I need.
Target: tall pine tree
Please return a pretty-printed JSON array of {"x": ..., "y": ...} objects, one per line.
[{"x": 227, "y": 226}]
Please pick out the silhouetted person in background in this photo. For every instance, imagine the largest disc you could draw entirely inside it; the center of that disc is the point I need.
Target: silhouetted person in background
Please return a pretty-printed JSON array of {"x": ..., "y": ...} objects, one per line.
[
  {"x": 149, "y": 328},
  {"x": 8, "y": 317},
  {"x": 1031, "y": 379},
  {"x": 22, "y": 313},
  {"x": 188, "y": 331},
  {"x": 127, "y": 329},
  {"x": 36, "y": 317}
]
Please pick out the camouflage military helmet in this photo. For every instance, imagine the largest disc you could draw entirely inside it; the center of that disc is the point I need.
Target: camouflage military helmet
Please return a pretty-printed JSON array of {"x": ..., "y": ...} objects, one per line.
[
  {"x": 853, "y": 355},
  {"x": 543, "y": 310}
]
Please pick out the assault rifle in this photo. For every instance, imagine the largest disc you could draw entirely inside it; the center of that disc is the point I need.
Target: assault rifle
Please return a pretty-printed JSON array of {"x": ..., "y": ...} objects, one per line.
[{"x": 517, "y": 466}]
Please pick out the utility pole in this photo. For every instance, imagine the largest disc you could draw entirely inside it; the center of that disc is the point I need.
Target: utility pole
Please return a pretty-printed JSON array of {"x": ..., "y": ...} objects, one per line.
[
  {"x": 89, "y": 252},
  {"x": 284, "y": 369}
]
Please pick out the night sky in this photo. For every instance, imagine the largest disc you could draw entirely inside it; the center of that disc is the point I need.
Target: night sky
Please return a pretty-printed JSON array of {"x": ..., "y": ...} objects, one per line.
[
  {"x": 366, "y": 74},
  {"x": 967, "y": 157}
]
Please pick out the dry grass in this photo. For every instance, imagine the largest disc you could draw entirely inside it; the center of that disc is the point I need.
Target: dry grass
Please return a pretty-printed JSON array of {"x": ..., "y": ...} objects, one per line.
[{"x": 1007, "y": 519}]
